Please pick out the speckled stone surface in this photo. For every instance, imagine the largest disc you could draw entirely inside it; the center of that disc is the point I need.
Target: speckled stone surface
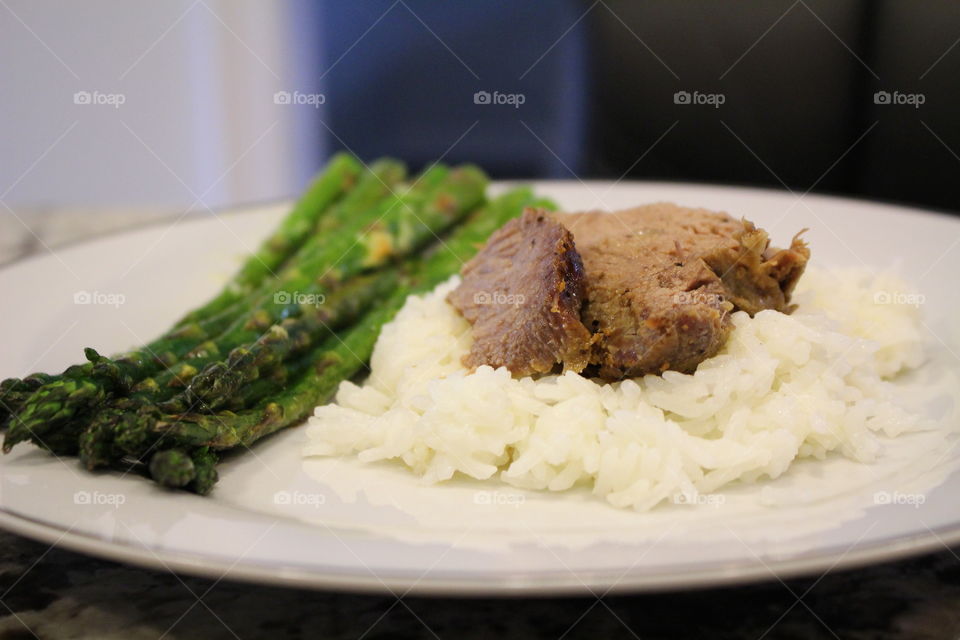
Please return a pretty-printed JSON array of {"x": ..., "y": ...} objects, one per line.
[
  {"x": 53, "y": 594},
  {"x": 50, "y": 593}
]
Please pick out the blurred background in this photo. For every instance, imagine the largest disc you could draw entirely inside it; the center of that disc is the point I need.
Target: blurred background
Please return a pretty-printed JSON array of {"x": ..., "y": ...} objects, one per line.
[{"x": 117, "y": 107}]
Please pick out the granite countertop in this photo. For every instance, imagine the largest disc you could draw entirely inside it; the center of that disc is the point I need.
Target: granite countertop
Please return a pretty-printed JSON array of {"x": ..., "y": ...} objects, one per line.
[{"x": 50, "y": 593}]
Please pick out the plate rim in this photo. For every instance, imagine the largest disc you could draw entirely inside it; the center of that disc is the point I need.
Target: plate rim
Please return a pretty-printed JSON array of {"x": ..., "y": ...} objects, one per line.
[{"x": 363, "y": 580}]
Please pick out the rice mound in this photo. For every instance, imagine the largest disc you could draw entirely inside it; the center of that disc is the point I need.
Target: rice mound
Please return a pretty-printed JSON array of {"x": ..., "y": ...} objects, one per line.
[{"x": 784, "y": 387}]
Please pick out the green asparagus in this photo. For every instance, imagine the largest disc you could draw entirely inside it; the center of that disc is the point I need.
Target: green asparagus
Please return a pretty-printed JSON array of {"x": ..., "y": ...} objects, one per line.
[
  {"x": 338, "y": 176},
  {"x": 407, "y": 221},
  {"x": 64, "y": 404},
  {"x": 14, "y": 393},
  {"x": 341, "y": 358},
  {"x": 96, "y": 446},
  {"x": 213, "y": 388},
  {"x": 261, "y": 355},
  {"x": 197, "y": 335}
]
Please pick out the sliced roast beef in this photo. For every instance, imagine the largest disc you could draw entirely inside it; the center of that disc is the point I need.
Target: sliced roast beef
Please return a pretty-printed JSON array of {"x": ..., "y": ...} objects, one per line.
[
  {"x": 662, "y": 280},
  {"x": 523, "y": 294}
]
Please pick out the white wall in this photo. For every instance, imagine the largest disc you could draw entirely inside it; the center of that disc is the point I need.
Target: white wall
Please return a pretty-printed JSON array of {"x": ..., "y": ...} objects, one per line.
[{"x": 198, "y": 117}]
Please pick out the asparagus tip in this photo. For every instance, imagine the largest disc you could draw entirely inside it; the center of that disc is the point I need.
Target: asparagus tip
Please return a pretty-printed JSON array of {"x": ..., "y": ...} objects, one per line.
[{"x": 172, "y": 468}]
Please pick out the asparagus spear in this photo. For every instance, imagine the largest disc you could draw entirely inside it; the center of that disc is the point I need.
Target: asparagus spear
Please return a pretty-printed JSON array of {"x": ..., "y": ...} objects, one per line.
[
  {"x": 340, "y": 173},
  {"x": 271, "y": 382},
  {"x": 398, "y": 234},
  {"x": 219, "y": 382},
  {"x": 97, "y": 446},
  {"x": 311, "y": 274},
  {"x": 14, "y": 392},
  {"x": 118, "y": 373},
  {"x": 64, "y": 402},
  {"x": 338, "y": 177},
  {"x": 197, "y": 334},
  {"x": 46, "y": 407},
  {"x": 114, "y": 433},
  {"x": 341, "y": 306},
  {"x": 180, "y": 446},
  {"x": 406, "y": 222},
  {"x": 176, "y": 468},
  {"x": 341, "y": 358}
]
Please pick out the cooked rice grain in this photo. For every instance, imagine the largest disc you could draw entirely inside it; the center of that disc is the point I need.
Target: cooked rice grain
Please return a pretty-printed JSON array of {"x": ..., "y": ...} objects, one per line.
[{"x": 784, "y": 387}]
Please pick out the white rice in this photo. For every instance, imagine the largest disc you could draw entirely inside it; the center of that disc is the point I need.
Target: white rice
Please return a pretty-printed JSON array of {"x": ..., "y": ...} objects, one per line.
[{"x": 784, "y": 387}]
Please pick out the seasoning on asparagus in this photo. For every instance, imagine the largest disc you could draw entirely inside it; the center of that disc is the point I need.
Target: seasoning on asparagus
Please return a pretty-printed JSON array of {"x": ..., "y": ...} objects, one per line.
[
  {"x": 198, "y": 337},
  {"x": 14, "y": 392},
  {"x": 254, "y": 359},
  {"x": 404, "y": 222},
  {"x": 97, "y": 445},
  {"x": 340, "y": 174},
  {"x": 403, "y": 227},
  {"x": 65, "y": 404}
]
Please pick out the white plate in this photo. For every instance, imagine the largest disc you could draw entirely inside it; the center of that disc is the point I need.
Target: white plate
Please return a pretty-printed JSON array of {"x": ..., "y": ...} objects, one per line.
[{"x": 275, "y": 519}]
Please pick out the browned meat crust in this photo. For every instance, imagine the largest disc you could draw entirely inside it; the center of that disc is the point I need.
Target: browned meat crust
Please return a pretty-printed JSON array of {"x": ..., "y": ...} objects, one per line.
[
  {"x": 662, "y": 279},
  {"x": 756, "y": 276},
  {"x": 523, "y": 293}
]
